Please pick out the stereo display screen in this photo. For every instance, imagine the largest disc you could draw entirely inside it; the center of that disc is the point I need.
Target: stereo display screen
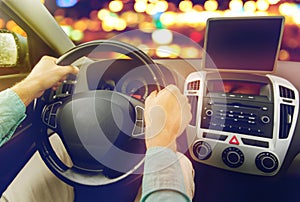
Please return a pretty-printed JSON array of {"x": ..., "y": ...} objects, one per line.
[
  {"x": 245, "y": 44},
  {"x": 235, "y": 87}
]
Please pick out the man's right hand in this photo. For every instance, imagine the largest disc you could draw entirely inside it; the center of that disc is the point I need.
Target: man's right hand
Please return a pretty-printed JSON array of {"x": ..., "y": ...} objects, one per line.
[{"x": 167, "y": 113}]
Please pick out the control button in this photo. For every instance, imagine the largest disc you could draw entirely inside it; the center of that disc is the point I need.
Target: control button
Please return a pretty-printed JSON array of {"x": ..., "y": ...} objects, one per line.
[
  {"x": 256, "y": 143},
  {"x": 266, "y": 162},
  {"x": 138, "y": 128},
  {"x": 139, "y": 122},
  {"x": 209, "y": 112},
  {"x": 215, "y": 136},
  {"x": 46, "y": 114},
  {"x": 252, "y": 122},
  {"x": 264, "y": 108},
  {"x": 230, "y": 115},
  {"x": 234, "y": 140},
  {"x": 265, "y": 119},
  {"x": 139, "y": 111},
  {"x": 55, "y": 107},
  {"x": 233, "y": 157},
  {"x": 202, "y": 150},
  {"x": 52, "y": 121}
]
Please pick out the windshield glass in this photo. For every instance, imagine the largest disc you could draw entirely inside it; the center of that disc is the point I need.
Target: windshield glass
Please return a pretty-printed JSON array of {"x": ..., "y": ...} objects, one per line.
[{"x": 87, "y": 20}]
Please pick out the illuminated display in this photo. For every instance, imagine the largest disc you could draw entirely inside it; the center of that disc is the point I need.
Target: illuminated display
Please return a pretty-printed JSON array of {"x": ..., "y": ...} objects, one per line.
[{"x": 234, "y": 87}]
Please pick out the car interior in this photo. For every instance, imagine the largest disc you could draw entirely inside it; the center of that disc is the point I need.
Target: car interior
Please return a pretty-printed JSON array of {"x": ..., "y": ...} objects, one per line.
[{"x": 244, "y": 136}]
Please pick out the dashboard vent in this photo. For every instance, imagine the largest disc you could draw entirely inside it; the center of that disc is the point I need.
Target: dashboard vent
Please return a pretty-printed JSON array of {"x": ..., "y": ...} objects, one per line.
[
  {"x": 194, "y": 85},
  {"x": 286, "y": 92},
  {"x": 193, "y": 100},
  {"x": 286, "y": 118}
]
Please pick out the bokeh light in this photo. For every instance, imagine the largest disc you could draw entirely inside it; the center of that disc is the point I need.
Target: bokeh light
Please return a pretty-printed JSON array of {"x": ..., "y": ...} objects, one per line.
[
  {"x": 185, "y": 5},
  {"x": 115, "y": 5},
  {"x": 66, "y": 3},
  {"x": 236, "y": 5},
  {"x": 250, "y": 6},
  {"x": 211, "y": 5},
  {"x": 262, "y": 5},
  {"x": 85, "y": 20},
  {"x": 162, "y": 36}
]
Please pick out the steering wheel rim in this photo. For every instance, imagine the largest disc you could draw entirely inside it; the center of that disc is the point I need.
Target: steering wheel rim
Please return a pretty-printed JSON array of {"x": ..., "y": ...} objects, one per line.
[{"x": 76, "y": 175}]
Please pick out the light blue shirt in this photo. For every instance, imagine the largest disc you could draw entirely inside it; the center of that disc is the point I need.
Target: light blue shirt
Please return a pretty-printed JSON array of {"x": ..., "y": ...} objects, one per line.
[
  {"x": 12, "y": 113},
  {"x": 162, "y": 181},
  {"x": 163, "y": 178}
]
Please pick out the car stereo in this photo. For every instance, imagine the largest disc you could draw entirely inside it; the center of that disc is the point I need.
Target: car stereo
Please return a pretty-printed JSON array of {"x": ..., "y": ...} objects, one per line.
[{"x": 241, "y": 121}]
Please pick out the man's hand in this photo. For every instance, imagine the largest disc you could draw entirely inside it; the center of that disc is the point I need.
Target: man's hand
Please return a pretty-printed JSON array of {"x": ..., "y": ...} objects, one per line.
[
  {"x": 167, "y": 113},
  {"x": 46, "y": 74}
]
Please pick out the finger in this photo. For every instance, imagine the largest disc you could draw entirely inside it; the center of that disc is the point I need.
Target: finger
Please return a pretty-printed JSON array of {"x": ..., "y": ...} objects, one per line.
[
  {"x": 70, "y": 69},
  {"x": 173, "y": 89},
  {"x": 169, "y": 90},
  {"x": 150, "y": 97}
]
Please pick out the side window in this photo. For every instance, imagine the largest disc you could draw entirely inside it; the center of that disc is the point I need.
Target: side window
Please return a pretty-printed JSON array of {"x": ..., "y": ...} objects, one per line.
[{"x": 13, "y": 48}]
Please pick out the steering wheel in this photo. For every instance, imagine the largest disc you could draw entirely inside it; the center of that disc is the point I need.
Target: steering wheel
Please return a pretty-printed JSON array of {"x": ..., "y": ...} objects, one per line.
[{"x": 102, "y": 130}]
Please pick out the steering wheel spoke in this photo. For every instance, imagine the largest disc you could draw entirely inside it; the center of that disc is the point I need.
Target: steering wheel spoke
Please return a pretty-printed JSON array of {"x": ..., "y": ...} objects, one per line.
[{"x": 49, "y": 114}]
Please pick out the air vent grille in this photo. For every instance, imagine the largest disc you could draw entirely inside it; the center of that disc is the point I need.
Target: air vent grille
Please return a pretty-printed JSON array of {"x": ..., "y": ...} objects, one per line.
[
  {"x": 194, "y": 85},
  {"x": 286, "y": 92},
  {"x": 193, "y": 100},
  {"x": 286, "y": 118}
]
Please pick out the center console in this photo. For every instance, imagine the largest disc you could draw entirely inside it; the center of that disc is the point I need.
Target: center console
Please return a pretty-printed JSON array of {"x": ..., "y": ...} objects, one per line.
[
  {"x": 243, "y": 116},
  {"x": 241, "y": 122}
]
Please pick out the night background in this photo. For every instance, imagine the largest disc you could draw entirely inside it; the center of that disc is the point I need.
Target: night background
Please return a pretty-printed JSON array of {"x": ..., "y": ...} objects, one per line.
[{"x": 86, "y": 20}]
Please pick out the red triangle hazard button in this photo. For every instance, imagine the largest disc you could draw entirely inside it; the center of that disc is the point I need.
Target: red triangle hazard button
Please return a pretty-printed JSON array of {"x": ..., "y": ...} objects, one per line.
[{"x": 234, "y": 140}]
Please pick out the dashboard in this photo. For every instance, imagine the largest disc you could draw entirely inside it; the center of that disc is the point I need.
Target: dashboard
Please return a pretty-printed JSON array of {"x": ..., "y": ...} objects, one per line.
[{"x": 125, "y": 76}]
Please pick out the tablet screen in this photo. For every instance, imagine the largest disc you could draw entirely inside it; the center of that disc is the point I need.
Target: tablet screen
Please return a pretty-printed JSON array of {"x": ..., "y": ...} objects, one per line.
[{"x": 243, "y": 43}]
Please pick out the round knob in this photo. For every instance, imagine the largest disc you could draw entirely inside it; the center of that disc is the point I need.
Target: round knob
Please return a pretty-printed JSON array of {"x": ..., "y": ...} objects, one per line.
[
  {"x": 265, "y": 119},
  {"x": 266, "y": 162},
  {"x": 233, "y": 157},
  {"x": 209, "y": 112},
  {"x": 202, "y": 150}
]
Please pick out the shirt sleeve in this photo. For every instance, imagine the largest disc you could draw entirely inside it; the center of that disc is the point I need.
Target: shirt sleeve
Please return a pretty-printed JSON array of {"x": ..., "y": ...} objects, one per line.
[
  {"x": 163, "y": 179},
  {"x": 12, "y": 113}
]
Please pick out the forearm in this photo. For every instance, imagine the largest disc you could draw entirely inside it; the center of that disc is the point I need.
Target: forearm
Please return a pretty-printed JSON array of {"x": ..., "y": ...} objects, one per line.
[{"x": 27, "y": 91}]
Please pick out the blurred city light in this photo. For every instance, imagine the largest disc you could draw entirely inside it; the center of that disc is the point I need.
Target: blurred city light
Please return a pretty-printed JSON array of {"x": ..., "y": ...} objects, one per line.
[
  {"x": 211, "y": 5},
  {"x": 115, "y": 6},
  {"x": 85, "y": 20},
  {"x": 185, "y": 6},
  {"x": 66, "y": 3},
  {"x": 162, "y": 36}
]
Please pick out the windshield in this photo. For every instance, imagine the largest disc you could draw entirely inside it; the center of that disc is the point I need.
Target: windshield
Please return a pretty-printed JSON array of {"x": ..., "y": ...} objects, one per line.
[{"x": 87, "y": 20}]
